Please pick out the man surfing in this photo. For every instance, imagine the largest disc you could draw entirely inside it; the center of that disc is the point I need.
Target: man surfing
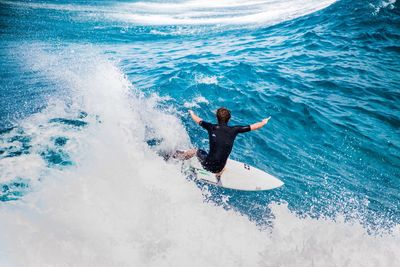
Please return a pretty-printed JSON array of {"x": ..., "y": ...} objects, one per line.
[{"x": 221, "y": 139}]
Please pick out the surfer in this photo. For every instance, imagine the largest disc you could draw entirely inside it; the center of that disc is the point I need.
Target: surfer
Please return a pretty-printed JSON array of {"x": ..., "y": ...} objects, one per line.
[{"x": 221, "y": 138}]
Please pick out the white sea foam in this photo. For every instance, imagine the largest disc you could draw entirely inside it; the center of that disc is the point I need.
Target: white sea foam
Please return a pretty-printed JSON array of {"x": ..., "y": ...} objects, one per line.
[
  {"x": 382, "y": 5},
  {"x": 20, "y": 167},
  {"x": 122, "y": 205},
  {"x": 61, "y": 7},
  {"x": 195, "y": 102},
  {"x": 206, "y": 79},
  {"x": 229, "y": 12}
]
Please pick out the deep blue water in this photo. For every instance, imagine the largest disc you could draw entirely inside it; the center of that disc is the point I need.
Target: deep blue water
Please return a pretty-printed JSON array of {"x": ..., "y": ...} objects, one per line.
[{"x": 329, "y": 77}]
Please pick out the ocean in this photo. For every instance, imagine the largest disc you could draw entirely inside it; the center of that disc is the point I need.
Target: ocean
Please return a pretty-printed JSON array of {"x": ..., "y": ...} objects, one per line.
[{"x": 92, "y": 91}]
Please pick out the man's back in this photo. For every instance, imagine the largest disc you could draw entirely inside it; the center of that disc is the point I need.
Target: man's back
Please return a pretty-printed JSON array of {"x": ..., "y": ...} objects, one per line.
[{"x": 221, "y": 137}]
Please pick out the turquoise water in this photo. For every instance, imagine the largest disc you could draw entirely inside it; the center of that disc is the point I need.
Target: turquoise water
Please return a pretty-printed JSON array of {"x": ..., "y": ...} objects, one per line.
[{"x": 91, "y": 90}]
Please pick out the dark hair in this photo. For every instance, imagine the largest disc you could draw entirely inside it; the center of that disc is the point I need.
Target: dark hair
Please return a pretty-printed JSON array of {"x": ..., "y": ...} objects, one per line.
[{"x": 223, "y": 115}]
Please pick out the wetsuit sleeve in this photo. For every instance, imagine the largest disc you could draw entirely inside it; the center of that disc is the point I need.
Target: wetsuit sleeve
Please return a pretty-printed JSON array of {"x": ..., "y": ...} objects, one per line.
[
  {"x": 242, "y": 129},
  {"x": 205, "y": 125}
]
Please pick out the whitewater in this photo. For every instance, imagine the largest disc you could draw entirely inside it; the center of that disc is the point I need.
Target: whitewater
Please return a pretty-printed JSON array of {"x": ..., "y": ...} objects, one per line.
[{"x": 92, "y": 91}]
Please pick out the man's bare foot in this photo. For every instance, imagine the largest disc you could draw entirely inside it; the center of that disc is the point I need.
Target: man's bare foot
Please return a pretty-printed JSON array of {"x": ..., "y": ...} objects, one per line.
[
  {"x": 218, "y": 176},
  {"x": 218, "y": 179},
  {"x": 184, "y": 155}
]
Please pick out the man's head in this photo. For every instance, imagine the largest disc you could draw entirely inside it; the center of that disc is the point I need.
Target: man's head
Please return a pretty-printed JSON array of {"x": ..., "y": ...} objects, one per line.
[{"x": 223, "y": 115}]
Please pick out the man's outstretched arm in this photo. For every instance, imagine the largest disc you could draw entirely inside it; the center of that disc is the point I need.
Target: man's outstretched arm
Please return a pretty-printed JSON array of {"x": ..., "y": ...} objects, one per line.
[
  {"x": 260, "y": 124},
  {"x": 196, "y": 118}
]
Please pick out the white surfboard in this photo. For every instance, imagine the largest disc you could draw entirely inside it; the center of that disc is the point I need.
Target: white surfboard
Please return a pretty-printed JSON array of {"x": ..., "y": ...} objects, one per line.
[{"x": 237, "y": 175}]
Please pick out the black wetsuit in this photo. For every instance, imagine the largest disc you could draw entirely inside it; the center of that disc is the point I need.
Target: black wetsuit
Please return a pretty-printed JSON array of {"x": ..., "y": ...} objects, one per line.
[{"x": 221, "y": 138}]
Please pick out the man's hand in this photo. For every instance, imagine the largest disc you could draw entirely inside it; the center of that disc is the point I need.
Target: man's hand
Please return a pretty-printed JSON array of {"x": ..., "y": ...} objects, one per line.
[
  {"x": 194, "y": 117},
  {"x": 265, "y": 121},
  {"x": 260, "y": 124}
]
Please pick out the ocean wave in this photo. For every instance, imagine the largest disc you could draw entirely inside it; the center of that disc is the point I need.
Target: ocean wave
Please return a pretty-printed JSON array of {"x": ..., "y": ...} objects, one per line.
[
  {"x": 81, "y": 182},
  {"x": 195, "y": 12},
  {"x": 228, "y": 12}
]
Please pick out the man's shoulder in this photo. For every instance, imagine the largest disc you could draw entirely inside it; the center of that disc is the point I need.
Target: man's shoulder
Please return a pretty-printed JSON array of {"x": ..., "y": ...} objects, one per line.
[{"x": 206, "y": 124}]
